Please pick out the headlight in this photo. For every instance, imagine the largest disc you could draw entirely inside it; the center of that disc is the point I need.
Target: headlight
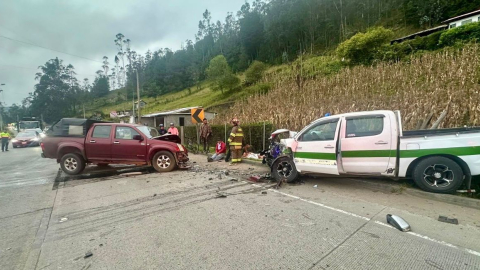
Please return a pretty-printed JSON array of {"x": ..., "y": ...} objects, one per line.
[
  {"x": 35, "y": 139},
  {"x": 42, "y": 135},
  {"x": 181, "y": 147},
  {"x": 13, "y": 140}
]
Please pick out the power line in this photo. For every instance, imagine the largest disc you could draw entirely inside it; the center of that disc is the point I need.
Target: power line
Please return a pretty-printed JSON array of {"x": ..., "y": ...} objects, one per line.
[
  {"x": 31, "y": 44},
  {"x": 37, "y": 69}
]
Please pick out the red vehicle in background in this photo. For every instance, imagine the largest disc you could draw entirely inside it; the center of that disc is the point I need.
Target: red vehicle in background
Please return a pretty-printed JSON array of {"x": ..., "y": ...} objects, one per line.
[
  {"x": 77, "y": 142},
  {"x": 26, "y": 138}
]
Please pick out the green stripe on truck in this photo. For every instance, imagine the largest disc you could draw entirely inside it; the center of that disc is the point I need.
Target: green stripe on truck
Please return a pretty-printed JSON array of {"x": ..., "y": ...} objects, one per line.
[
  {"x": 366, "y": 153},
  {"x": 309, "y": 155},
  {"x": 456, "y": 151}
]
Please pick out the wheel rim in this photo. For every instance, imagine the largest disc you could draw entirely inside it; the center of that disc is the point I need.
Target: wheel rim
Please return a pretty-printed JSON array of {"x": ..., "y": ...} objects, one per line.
[
  {"x": 164, "y": 161},
  {"x": 438, "y": 175},
  {"x": 284, "y": 169},
  {"x": 71, "y": 164}
]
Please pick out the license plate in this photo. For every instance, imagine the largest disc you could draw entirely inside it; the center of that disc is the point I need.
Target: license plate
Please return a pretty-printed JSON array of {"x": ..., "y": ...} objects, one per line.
[{"x": 24, "y": 142}]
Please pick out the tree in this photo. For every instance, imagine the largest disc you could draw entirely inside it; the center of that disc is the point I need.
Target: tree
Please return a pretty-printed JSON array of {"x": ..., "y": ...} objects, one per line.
[
  {"x": 221, "y": 74},
  {"x": 100, "y": 86},
  {"x": 361, "y": 48},
  {"x": 254, "y": 73}
]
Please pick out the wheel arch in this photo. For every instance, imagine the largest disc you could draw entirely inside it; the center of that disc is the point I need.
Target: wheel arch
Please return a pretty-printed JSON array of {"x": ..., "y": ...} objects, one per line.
[
  {"x": 459, "y": 161},
  {"x": 69, "y": 149}
]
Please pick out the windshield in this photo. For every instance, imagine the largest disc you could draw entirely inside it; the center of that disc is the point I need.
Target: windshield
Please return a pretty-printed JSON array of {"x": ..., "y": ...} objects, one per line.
[
  {"x": 27, "y": 134},
  {"x": 146, "y": 131},
  {"x": 29, "y": 124}
]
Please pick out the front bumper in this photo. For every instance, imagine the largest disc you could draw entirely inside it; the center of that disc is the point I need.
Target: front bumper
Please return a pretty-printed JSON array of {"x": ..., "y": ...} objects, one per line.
[{"x": 25, "y": 143}]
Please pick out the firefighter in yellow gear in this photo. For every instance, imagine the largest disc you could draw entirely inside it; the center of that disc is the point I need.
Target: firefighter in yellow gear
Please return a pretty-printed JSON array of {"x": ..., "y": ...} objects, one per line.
[{"x": 235, "y": 141}]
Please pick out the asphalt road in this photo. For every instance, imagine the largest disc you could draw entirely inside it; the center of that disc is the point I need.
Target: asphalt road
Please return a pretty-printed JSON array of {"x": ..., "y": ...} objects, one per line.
[{"x": 196, "y": 220}]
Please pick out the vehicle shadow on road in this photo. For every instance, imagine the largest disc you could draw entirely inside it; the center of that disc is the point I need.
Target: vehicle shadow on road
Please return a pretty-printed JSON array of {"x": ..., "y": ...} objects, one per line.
[{"x": 94, "y": 173}]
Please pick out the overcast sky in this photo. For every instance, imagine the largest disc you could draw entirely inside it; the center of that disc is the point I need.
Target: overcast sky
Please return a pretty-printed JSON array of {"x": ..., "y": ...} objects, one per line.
[{"x": 87, "y": 28}]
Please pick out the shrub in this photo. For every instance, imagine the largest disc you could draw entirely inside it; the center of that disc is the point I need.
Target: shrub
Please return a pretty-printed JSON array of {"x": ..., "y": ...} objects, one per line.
[
  {"x": 259, "y": 88},
  {"x": 400, "y": 51},
  {"x": 362, "y": 47},
  {"x": 254, "y": 72},
  {"x": 466, "y": 32}
]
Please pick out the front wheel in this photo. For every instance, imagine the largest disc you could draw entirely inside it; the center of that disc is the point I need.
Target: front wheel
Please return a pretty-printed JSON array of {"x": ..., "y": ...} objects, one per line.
[
  {"x": 164, "y": 161},
  {"x": 72, "y": 164},
  {"x": 438, "y": 174},
  {"x": 284, "y": 169}
]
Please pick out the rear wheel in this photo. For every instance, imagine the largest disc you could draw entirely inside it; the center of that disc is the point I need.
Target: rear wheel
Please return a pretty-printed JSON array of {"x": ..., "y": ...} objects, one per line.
[
  {"x": 438, "y": 174},
  {"x": 72, "y": 164},
  {"x": 164, "y": 161},
  {"x": 284, "y": 168}
]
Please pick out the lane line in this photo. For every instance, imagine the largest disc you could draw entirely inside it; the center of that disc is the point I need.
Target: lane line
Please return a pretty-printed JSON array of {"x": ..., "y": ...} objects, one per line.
[{"x": 470, "y": 251}]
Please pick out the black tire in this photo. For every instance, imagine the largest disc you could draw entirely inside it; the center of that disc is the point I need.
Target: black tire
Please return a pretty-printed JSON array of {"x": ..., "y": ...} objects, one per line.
[
  {"x": 72, "y": 164},
  {"x": 284, "y": 168},
  {"x": 438, "y": 175},
  {"x": 14, "y": 146},
  {"x": 164, "y": 161}
]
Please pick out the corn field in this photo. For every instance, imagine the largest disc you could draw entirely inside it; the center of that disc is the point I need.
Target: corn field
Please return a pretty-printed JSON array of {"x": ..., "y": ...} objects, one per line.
[{"x": 427, "y": 84}]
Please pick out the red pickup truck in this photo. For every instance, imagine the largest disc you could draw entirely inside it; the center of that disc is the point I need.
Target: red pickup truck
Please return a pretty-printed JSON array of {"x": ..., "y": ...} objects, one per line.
[{"x": 77, "y": 142}]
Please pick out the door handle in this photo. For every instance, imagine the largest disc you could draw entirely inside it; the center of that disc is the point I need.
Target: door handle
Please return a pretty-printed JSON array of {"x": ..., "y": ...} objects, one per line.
[
  {"x": 92, "y": 141},
  {"x": 381, "y": 142},
  {"x": 116, "y": 142},
  {"x": 329, "y": 147}
]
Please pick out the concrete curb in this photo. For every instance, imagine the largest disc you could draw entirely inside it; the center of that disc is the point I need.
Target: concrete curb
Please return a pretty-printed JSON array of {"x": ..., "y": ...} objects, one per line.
[{"x": 446, "y": 198}]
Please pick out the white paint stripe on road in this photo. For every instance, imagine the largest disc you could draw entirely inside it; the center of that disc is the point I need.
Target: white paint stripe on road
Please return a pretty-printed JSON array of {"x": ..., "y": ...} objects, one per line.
[
  {"x": 473, "y": 252},
  {"x": 321, "y": 204}
]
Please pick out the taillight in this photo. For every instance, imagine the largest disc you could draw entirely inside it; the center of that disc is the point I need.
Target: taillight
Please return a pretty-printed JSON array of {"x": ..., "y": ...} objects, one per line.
[{"x": 43, "y": 147}]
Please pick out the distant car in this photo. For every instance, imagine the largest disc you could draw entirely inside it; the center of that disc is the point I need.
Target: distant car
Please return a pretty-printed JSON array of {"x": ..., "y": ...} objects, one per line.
[{"x": 26, "y": 138}]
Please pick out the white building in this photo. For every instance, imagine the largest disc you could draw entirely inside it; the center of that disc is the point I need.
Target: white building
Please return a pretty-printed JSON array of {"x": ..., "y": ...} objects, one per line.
[{"x": 463, "y": 19}]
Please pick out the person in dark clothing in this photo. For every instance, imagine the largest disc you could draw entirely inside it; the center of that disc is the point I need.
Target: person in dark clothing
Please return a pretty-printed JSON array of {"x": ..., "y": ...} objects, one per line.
[{"x": 162, "y": 130}]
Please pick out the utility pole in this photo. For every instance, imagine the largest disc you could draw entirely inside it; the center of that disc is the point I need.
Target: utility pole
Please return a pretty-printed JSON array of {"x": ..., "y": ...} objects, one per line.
[
  {"x": 84, "y": 111},
  {"x": 138, "y": 99},
  {"x": 1, "y": 110}
]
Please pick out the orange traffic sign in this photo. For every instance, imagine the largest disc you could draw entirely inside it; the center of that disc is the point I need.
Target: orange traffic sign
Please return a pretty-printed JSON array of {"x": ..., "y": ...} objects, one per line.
[{"x": 197, "y": 115}]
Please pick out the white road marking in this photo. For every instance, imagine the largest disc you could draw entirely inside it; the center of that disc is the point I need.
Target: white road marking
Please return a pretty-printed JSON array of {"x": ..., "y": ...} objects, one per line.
[{"x": 473, "y": 252}]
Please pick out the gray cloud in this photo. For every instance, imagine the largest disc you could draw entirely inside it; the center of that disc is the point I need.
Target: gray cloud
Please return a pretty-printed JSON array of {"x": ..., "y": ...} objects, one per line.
[{"x": 88, "y": 28}]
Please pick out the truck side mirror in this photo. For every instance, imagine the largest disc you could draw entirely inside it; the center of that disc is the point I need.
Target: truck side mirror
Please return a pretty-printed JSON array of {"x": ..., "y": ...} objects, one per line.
[{"x": 138, "y": 137}]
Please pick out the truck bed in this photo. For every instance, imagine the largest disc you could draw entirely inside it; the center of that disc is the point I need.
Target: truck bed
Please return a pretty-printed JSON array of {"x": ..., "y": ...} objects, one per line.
[{"x": 439, "y": 132}]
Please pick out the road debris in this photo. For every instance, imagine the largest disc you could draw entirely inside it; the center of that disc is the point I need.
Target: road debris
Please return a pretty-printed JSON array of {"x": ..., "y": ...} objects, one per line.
[
  {"x": 210, "y": 179},
  {"x": 219, "y": 176},
  {"x": 155, "y": 195},
  {"x": 316, "y": 186},
  {"x": 233, "y": 179},
  {"x": 264, "y": 192},
  {"x": 221, "y": 195},
  {"x": 448, "y": 220},
  {"x": 398, "y": 223},
  {"x": 63, "y": 219},
  {"x": 88, "y": 254},
  {"x": 255, "y": 178}
]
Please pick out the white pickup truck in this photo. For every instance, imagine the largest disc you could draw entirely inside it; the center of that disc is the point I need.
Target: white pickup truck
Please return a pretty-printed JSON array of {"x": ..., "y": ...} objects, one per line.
[{"x": 373, "y": 143}]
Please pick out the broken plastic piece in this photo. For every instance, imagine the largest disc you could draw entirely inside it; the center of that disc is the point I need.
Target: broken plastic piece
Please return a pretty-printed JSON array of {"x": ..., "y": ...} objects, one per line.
[
  {"x": 315, "y": 186},
  {"x": 398, "y": 223},
  {"x": 88, "y": 254},
  {"x": 448, "y": 220}
]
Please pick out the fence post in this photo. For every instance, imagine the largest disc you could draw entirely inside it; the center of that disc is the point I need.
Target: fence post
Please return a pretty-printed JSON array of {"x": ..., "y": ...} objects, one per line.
[
  {"x": 198, "y": 135},
  {"x": 225, "y": 133},
  {"x": 263, "y": 140},
  {"x": 182, "y": 135}
]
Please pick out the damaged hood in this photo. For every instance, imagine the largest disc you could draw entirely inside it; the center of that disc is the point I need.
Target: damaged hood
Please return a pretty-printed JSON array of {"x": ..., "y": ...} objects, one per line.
[
  {"x": 168, "y": 138},
  {"x": 291, "y": 134}
]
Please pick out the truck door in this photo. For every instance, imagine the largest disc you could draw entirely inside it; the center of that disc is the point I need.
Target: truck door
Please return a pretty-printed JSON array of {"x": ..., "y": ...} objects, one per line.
[
  {"x": 126, "y": 147},
  {"x": 98, "y": 146},
  {"x": 366, "y": 145},
  {"x": 315, "y": 149}
]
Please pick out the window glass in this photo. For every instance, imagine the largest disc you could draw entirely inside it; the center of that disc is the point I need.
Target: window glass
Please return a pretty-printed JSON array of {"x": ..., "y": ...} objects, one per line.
[
  {"x": 453, "y": 25},
  {"x": 362, "y": 127},
  {"x": 320, "y": 132},
  {"x": 125, "y": 133},
  {"x": 466, "y": 21},
  {"x": 102, "y": 132}
]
